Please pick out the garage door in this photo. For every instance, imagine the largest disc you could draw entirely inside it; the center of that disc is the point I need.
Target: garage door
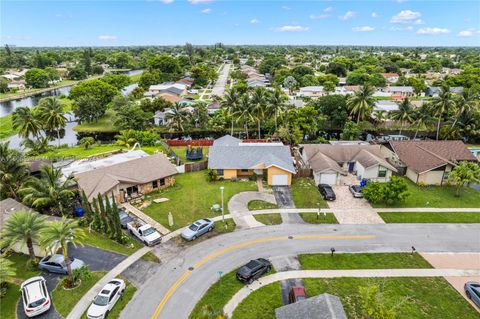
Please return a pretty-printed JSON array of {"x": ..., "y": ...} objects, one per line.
[
  {"x": 280, "y": 179},
  {"x": 329, "y": 179}
]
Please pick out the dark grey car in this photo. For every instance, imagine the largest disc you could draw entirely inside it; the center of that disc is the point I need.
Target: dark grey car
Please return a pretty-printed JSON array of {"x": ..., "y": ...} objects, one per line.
[
  {"x": 125, "y": 218},
  {"x": 253, "y": 270},
  {"x": 472, "y": 290}
]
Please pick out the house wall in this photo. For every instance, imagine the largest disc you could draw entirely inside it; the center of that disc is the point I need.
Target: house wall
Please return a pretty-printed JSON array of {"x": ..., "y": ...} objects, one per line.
[
  {"x": 431, "y": 178},
  {"x": 247, "y": 173},
  {"x": 229, "y": 173},
  {"x": 372, "y": 173},
  {"x": 143, "y": 188},
  {"x": 275, "y": 170},
  {"x": 412, "y": 175}
]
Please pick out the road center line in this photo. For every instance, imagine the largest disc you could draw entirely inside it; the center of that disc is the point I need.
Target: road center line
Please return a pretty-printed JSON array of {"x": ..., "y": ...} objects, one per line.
[{"x": 220, "y": 252}]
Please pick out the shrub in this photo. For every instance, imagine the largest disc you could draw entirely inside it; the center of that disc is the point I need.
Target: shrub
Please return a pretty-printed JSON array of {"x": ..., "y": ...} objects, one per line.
[
  {"x": 373, "y": 192},
  {"x": 212, "y": 175}
]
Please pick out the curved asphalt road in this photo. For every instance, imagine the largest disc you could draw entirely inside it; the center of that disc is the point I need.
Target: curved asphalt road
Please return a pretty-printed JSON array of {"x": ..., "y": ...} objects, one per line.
[{"x": 174, "y": 289}]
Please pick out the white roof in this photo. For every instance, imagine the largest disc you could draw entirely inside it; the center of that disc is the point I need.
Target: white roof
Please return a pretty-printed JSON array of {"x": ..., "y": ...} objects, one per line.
[
  {"x": 166, "y": 86},
  {"x": 312, "y": 88},
  {"x": 385, "y": 106}
]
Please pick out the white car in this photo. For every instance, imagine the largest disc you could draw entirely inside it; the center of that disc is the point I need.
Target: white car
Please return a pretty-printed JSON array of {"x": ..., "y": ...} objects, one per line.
[
  {"x": 35, "y": 296},
  {"x": 106, "y": 299}
]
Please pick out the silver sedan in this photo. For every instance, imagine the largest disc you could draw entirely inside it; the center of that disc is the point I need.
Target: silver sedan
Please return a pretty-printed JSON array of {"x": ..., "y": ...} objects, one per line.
[{"x": 197, "y": 229}]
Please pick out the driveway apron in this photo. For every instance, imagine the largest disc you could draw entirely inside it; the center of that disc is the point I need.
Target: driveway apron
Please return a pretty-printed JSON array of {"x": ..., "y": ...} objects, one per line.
[{"x": 283, "y": 196}]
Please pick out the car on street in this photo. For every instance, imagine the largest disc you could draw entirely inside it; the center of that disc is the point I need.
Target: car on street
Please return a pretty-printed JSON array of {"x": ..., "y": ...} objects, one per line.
[
  {"x": 297, "y": 294},
  {"x": 107, "y": 298},
  {"x": 472, "y": 290},
  {"x": 35, "y": 297},
  {"x": 198, "y": 228},
  {"x": 327, "y": 192},
  {"x": 56, "y": 264},
  {"x": 356, "y": 191},
  {"x": 125, "y": 218},
  {"x": 254, "y": 269}
]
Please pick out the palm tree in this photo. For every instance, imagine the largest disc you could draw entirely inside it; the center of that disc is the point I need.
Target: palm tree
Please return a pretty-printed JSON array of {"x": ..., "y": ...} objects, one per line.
[
  {"x": 421, "y": 117},
  {"x": 258, "y": 106},
  {"x": 230, "y": 102},
  {"x": 362, "y": 102},
  {"x": 40, "y": 145},
  {"x": 23, "y": 227},
  {"x": 26, "y": 121},
  {"x": 403, "y": 114},
  {"x": 277, "y": 104},
  {"x": 51, "y": 191},
  {"x": 177, "y": 118},
  {"x": 13, "y": 171},
  {"x": 126, "y": 138},
  {"x": 51, "y": 113},
  {"x": 442, "y": 105},
  {"x": 381, "y": 116},
  {"x": 465, "y": 103},
  {"x": 57, "y": 235}
]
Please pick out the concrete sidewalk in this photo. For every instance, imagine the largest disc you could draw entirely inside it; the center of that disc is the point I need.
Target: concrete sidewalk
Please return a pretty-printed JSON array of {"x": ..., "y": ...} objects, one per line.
[
  {"x": 239, "y": 203},
  {"x": 162, "y": 229},
  {"x": 357, "y": 273}
]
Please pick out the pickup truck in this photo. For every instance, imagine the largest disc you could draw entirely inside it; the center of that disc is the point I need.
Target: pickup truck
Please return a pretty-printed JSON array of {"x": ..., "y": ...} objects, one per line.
[{"x": 145, "y": 232}]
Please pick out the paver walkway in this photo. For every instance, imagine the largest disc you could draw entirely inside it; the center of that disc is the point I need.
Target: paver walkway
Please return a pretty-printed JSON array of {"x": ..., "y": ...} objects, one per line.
[
  {"x": 358, "y": 273},
  {"x": 239, "y": 203},
  {"x": 162, "y": 229}
]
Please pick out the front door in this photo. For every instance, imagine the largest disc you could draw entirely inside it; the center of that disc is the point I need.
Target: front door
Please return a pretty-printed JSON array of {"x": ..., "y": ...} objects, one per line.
[{"x": 351, "y": 166}]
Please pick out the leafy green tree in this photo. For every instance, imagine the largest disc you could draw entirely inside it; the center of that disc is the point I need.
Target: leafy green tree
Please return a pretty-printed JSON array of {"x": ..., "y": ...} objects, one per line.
[
  {"x": 168, "y": 66},
  {"x": 149, "y": 78},
  {"x": 23, "y": 228},
  {"x": 97, "y": 69},
  {"x": 117, "y": 80},
  {"x": 362, "y": 102},
  {"x": 404, "y": 114},
  {"x": 87, "y": 142},
  {"x": 133, "y": 117},
  {"x": 463, "y": 175},
  {"x": 87, "y": 109},
  {"x": 337, "y": 68},
  {"x": 13, "y": 171},
  {"x": 91, "y": 98},
  {"x": 36, "y": 78},
  {"x": 396, "y": 190},
  {"x": 53, "y": 74},
  {"x": 52, "y": 115},
  {"x": 203, "y": 74},
  {"x": 334, "y": 107},
  {"x": 373, "y": 192},
  {"x": 26, "y": 121},
  {"x": 77, "y": 73},
  {"x": 121, "y": 60},
  {"x": 351, "y": 131},
  {"x": 4, "y": 85}
]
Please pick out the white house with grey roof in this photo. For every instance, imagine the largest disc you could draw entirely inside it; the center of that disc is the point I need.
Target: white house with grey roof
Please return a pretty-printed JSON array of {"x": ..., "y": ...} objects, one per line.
[{"x": 232, "y": 159}]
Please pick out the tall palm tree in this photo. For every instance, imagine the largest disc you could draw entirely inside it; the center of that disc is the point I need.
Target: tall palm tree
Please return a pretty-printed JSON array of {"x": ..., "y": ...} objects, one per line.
[
  {"x": 465, "y": 103},
  {"x": 24, "y": 228},
  {"x": 442, "y": 105},
  {"x": 52, "y": 116},
  {"x": 26, "y": 121},
  {"x": 259, "y": 106},
  {"x": 177, "y": 118},
  {"x": 362, "y": 102},
  {"x": 57, "y": 235},
  {"x": 403, "y": 114},
  {"x": 245, "y": 112},
  {"x": 51, "y": 191},
  {"x": 230, "y": 102},
  {"x": 13, "y": 171},
  {"x": 421, "y": 117},
  {"x": 277, "y": 104}
]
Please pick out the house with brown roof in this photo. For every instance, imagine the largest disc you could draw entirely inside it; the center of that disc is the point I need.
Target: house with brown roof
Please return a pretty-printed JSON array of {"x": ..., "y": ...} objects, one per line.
[
  {"x": 430, "y": 162},
  {"x": 329, "y": 162},
  {"x": 128, "y": 179}
]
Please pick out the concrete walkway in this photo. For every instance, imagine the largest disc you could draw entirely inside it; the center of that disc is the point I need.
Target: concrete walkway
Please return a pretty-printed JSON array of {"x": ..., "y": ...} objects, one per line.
[
  {"x": 358, "y": 273},
  {"x": 83, "y": 304},
  {"x": 239, "y": 203},
  {"x": 162, "y": 229}
]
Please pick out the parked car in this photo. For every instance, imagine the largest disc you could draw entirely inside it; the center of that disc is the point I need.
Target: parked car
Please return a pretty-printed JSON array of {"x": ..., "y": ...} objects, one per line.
[
  {"x": 253, "y": 270},
  {"x": 107, "y": 298},
  {"x": 56, "y": 264},
  {"x": 197, "y": 229},
  {"x": 125, "y": 218},
  {"x": 472, "y": 290},
  {"x": 326, "y": 191},
  {"x": 145, "y": 232},
  {"x": 356, "y": 191},
  {"x": 35, "y": 297},
  {"x": 297, "y": 294}
]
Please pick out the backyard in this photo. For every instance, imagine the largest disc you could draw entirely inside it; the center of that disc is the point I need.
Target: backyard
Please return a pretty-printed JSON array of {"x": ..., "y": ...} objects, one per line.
[
  {"x": 79, "y": 152},
  {"x": 192, "y": 197},
  {"x": 181, "y": 153},
  {"x": 105, "y": 124}
]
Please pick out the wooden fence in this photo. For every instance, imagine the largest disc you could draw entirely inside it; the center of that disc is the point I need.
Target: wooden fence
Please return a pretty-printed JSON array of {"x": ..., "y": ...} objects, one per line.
[
  {"x": 304, "y": 172},
  {"x": 195, "y": 167}
]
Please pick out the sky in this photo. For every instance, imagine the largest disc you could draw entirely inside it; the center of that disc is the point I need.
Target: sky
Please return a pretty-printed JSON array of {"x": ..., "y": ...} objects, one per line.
[{"x": 171, "y": 22}]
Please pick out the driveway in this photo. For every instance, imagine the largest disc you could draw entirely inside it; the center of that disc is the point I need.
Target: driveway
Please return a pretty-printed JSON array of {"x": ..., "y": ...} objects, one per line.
[
  {"x": 287, "y": 263},
  {"x": 284, "y": 199},
  {"x": 239, "y": 203}
]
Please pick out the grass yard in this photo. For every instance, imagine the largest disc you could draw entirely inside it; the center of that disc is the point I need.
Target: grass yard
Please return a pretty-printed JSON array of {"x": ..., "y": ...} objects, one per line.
[
  {"x": 260, "y": 204},
  {"x": 22, "y": 270},
  {"x": 135, "y": 78},
  {"x": 6, "y": 129},
  {"x": 95, "y": 239},
  {"x": 312, "y": 218},
  {"x": 447, "y": 217},
  {"x": 411, "y": 298},
  {"x": 80, "y": 152},
  {"x": 150, "y": 257},
  {"x": 65, "y": 300},
  {"x": 362, "y": 261},
  {"x": 105, "y": 124},
  {"x": 181, "y": 153},
  {"x": 9, "y": 301},
  {"x": 191, "y": 198},
  {"x": 269, "y": 219},
  {"x": 260, "y": 304},
  {"x": 437, "y": 196},
  {"x": 305, "y": 194}
]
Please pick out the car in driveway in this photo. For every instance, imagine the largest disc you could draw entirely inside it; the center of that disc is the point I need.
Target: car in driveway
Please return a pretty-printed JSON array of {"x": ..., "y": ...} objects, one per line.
[
  {"x": 107, "y": 298},
  {"x": 56, "y": 264},
  {"x": 125, "y": 218},
  {"x": 297, "y": 294},
  {"x": 197, "y": 229},
  {"x": 327, "y": 192},
  {"x": 356, "y": 191},
  {"x": 35, "y": 297},
  {"x": 472, "y": 290},
  {"x": 254, "y": 269}
]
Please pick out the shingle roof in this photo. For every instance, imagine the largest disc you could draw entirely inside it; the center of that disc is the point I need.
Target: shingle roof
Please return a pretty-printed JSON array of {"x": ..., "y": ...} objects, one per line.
[
  {"x": 228, "y": 152},
  {"x": 422, "y": 156},
  {"x": 10, "y": 206},
  {"x": 138, "y": 171},
  {"x": 324, "y": 306}
]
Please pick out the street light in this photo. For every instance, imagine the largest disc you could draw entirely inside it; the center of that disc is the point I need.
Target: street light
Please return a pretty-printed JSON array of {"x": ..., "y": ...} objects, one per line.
[{"x": 223, "y": 215}]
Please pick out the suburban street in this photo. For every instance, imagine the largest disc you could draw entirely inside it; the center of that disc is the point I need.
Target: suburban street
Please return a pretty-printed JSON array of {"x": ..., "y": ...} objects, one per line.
[
  {"x": 219, "y": 87},
  {"x": 174, "y": 289}
]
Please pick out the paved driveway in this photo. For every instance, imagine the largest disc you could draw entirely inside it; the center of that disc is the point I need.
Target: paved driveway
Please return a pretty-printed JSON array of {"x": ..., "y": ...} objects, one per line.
[
  {"x": 239, "y": 203},
  {"x": 286, "y": 264},
  {"x": 284, "y": 199}
]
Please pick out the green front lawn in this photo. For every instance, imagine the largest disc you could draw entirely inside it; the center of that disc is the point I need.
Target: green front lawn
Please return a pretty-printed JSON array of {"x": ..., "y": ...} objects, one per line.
[
  {"x": 105, "y": 124},
  {"x": 260, "y": 304},
  {"x": 97, "y": 240},
  {"x": 437, "y": 196},
  {"x": 269, "y": 219},
  {"x": 65, "y": 300},
  {"x": 192, "y": 197},
  {"x": 80, "y": 152},
  {"x": 9, "y": 302},
  {"x": 260, "y": 204},
  {"x": 23, "y": 270},
  {"x": 181, "y": 153},
  {"x": 447, "y": 217},
  {"x": 312, "y": 218},
  {"x": 362, "y": 261},
  {"x": 305, "y": 194}
]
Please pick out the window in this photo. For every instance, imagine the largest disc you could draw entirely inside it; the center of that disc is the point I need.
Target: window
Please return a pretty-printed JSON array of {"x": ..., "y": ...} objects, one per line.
[
  {"x": 220, "y": 172},
  {"x": 244, "y": 170},
  {"x": 382, "y": 173},
  {"x": 132, "y": 190},
  {"x": 113, "y": 294},
  {"x": 155, "y": 184},
  {"x": 162, "y": 181}
]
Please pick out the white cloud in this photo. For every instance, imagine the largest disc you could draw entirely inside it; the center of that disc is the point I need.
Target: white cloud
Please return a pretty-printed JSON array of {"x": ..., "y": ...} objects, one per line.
[
  {"x": 286, "y": 8},
  {"x": 199, "y": 1},
  {"x": 407, "y": 16},
  {"x": 107, "y": 37},
  {"x": 374, "y": 15},
  {"x": 433, "y": 31},
  {"x": 408, "y": 28},
  {"x": 328, "y": 9},
  {"x": 363, "y": 29},
  {"x": 320, "y": 16},
  {"x": 468, "y": 33},
  {"x": 254, "y": 21},
  {"x": 348, "y": 15},
  {"x": 208, "y": 10},
  {"x": 291, "y": 28}
]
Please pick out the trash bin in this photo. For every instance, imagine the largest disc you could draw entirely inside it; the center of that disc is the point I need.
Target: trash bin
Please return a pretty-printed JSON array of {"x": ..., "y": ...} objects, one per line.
[{"x": 79, "y": 212}]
